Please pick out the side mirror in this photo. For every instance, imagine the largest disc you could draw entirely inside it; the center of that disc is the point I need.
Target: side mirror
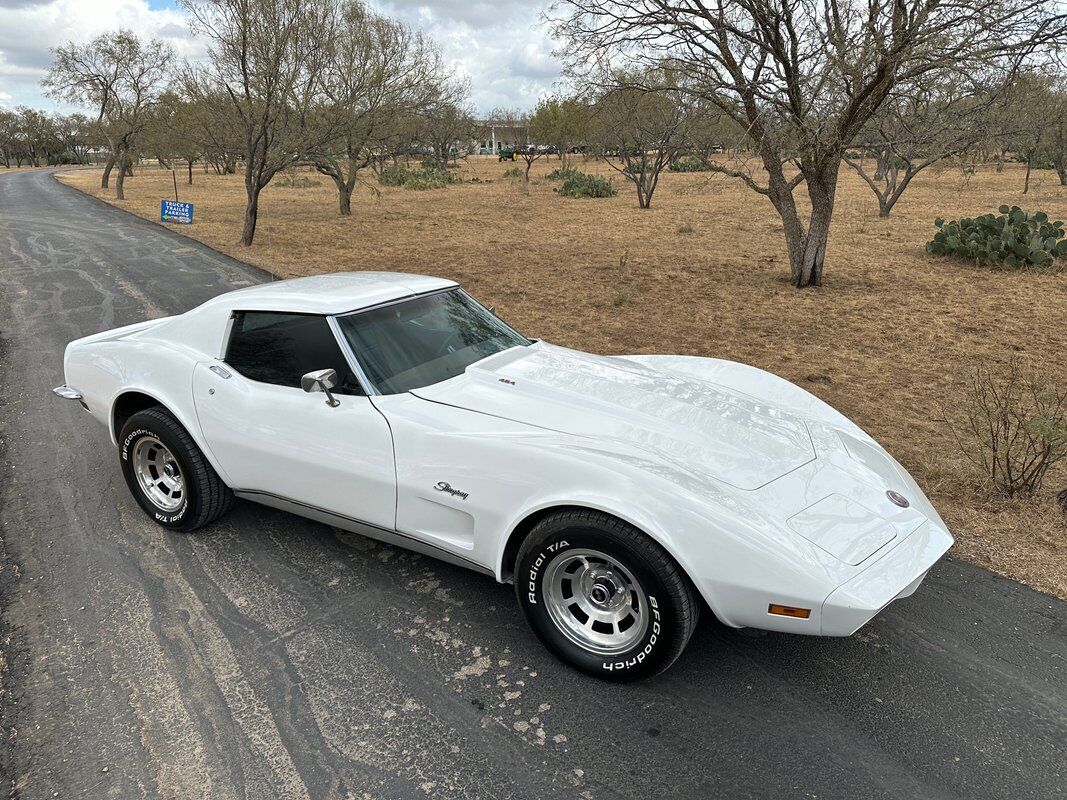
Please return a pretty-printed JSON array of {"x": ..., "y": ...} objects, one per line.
[{"x": 321, "y": 380}]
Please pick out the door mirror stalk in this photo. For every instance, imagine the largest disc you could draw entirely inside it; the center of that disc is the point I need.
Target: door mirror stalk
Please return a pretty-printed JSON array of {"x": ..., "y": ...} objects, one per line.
[{"x": 321, "y": 380}]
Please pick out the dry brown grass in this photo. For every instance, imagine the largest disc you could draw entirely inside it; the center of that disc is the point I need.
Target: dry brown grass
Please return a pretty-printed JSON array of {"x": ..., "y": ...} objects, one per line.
[{"x": 898, "y": 333}]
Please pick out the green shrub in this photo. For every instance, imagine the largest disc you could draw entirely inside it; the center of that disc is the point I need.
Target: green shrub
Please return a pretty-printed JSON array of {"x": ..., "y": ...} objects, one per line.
[
  {"x": 689, "y": 164},
  {"x": 420, "y": 179},
  {"x": 513, "y": 172},
  {"x": 417, "y": 179},
  {"x": 562, "y": 173},
  {"x": 393, "y": 176},
  {"x": 1014, "y": 239},
  {"x": 581, "y": 184},
  {"x": 296, "y": 182}
]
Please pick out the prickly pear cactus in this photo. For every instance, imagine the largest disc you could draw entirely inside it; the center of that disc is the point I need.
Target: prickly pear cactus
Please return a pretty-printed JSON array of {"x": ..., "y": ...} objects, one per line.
[{"x": 1015, "y": 239}]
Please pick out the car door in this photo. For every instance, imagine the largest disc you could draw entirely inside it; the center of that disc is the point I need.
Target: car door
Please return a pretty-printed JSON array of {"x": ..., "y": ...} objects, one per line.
[{"x": 274, "y": 439}]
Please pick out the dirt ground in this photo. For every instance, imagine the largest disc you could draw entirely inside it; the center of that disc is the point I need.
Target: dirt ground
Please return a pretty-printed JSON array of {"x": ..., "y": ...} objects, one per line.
[{"x": 891, "y": 338}]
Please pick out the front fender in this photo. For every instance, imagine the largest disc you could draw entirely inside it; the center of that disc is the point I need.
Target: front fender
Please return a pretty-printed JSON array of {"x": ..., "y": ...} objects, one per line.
[
  {"x": 104, "y": 370},
  {"x": 726, "y": 543}
]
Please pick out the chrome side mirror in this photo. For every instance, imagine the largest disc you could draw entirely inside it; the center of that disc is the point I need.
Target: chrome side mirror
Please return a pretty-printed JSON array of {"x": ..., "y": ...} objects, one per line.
[{"x": 321, "y": 380}]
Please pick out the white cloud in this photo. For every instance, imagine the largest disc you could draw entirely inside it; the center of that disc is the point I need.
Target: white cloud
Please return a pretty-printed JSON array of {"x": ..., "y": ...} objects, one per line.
[
  {"x": 29, "y": 28},
  {"x": 501, "y": 47}
]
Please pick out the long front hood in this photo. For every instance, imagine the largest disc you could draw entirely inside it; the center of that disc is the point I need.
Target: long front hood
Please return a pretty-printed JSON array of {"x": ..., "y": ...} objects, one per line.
[{"x": 729, "y": 437}]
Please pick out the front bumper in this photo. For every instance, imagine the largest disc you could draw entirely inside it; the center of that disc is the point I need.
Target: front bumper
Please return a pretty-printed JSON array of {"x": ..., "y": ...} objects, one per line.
[
  {"x": 896, "y": 575},
  {"x": 67, "y": 393}
]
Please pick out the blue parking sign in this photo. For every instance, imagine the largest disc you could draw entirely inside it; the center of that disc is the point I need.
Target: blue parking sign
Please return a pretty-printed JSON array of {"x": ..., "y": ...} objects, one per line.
[{"x": 173, "y": 211}]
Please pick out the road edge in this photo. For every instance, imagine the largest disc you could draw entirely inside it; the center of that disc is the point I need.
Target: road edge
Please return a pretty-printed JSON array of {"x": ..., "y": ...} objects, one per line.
[{"x": 268, "y": 276}]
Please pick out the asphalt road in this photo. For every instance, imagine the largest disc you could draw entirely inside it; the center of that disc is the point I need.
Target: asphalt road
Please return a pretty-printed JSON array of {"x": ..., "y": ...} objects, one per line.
[{"x": 274, "y": 657}]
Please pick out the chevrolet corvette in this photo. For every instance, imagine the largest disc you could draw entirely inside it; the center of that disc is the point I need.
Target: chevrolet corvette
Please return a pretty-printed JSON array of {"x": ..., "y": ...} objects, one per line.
[{"x": 621, "y": 495}]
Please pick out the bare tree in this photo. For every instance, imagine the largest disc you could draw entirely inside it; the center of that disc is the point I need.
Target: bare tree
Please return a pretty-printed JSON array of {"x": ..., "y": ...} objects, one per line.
[
  {"x": 562, "y": 122},
  {"x": 1056, "y": 147},
  {"x": 88, "y": 75},
  {"x": 74, "y": 133},
  {"x": 645, "y": 124},
  {"x": 1034, "y": 114},
  {"x": 709, "y": 131},
  {"x": 120, "y": 77},
  {"x": 916, "y": 128},
  {"x": 266, "y": 58},
  {"x": 215, "y": 128},
  {"x": 35, "y": 134},
  {"x": 448, "y": 123},
  {"x": 379, "y": 72},
  {"x": 173, "y": 131},
  {"x": 803, "y": 77},
  {"x": 8, "y": 136},
  {"x": 527, "y": 151}
]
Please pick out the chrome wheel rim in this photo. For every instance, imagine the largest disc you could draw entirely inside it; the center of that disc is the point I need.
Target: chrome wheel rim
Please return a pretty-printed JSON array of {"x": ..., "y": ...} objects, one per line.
[
  {"x": 158, "y": 473},
  {"x": 595, "y": 601}
]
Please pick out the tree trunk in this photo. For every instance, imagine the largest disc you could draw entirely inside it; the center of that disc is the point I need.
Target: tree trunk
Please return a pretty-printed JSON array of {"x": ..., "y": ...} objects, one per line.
[
  {"x": 1026, "y": 180},
  {"x": 1062, "y": 172},
  {"x": 807, "y": 260},
  {"x": 807, "y": 271},
  {"x": 881, "y": 162},
  {"x": 120, "y": 179},
  {"x": 644, "y": 189},
  {"x": 251, "y": 216},
  {"x": 344, "y": 197},
  {"x": 889, "y": 200},
  {"x": 1000, "y": 161},
  {"x": 105, "y": 179},
  {"x": 190, "y": 162}
]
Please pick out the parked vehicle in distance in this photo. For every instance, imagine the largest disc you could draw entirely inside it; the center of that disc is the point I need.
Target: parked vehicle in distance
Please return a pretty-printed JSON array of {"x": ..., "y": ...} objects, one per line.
[
  {"x": 620, "y": 494},
  {"x": 506, "y": 155}
]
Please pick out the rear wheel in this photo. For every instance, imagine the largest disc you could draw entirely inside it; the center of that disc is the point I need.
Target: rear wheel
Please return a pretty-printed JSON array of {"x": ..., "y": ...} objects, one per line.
[
  {"x": 167, "y": 473},
  {"x": 603, "y": 596}
]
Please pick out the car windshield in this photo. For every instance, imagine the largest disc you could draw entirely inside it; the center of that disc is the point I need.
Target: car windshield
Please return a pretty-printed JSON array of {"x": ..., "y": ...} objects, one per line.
[{"x": 425, "y": 340}]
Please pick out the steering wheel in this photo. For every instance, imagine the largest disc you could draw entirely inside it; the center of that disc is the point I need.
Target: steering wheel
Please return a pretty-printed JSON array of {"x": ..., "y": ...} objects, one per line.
[{"x": 444, "y": 345}]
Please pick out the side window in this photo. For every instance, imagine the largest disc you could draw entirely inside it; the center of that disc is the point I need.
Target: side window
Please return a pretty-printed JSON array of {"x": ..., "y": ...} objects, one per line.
[{"x": 278, "y": 348}]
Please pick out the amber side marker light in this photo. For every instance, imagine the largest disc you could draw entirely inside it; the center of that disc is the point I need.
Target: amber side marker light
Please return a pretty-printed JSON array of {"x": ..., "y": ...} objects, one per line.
[{"x": 788, "y": 611}]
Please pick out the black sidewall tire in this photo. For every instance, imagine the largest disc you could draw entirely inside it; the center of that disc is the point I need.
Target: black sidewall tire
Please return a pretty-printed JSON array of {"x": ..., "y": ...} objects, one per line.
[
  {"x": 135, "y": 430},
  {"x": 646, "y": 657}
]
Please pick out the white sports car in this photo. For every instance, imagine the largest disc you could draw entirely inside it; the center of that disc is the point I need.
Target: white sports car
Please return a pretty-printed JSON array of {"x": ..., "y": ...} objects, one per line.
[{"x": 618, "y": 493}]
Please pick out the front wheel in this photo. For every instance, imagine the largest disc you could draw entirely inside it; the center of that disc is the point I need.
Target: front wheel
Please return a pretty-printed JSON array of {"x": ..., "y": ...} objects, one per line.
[
  {"x": 604, "y": 597},
  {"x": 168, "y": 475}
]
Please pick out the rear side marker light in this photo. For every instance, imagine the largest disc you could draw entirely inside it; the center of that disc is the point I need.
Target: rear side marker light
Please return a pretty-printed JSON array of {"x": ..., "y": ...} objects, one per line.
[{"x": 788, "y": 611}]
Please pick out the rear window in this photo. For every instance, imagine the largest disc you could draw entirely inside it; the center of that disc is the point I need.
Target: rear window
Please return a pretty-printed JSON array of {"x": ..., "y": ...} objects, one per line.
[{"x": 277, "y": 348}]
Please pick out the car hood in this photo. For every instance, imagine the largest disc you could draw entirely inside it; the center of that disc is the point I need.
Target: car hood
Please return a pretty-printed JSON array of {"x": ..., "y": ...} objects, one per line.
[{"x": 727, "y": 436}]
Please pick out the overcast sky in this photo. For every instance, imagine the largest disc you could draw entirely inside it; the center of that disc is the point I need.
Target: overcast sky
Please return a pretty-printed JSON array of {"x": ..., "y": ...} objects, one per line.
[{"x": 501, "y": 46}]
